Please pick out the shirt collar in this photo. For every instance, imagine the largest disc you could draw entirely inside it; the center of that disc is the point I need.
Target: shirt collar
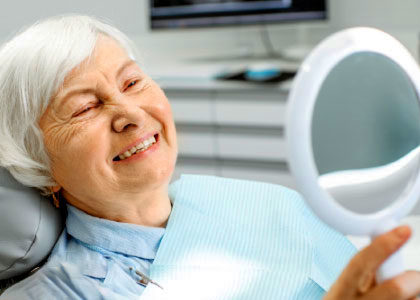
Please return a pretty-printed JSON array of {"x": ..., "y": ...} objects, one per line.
[{"x": 125, "y": 238}]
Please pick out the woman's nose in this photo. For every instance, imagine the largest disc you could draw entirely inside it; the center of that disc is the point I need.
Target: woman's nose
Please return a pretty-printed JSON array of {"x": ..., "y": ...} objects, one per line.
[{"x": 127, "y": 118}]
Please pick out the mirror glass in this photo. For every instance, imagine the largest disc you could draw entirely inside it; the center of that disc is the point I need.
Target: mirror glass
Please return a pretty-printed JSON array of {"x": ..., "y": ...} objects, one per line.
[{"x": 366, "y": 132}]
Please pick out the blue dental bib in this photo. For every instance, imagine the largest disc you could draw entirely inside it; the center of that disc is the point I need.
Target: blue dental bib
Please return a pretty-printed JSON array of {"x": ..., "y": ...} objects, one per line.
[{"x": 236, "y": 239}]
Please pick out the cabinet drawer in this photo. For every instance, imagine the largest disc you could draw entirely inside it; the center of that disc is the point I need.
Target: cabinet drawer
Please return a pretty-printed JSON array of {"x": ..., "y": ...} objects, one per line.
[
  {"x": 254, "y": 147},
  {"x": 191, "y": 107},
  {"x": 197, "y": 143},
  {"x": 255, "y": 113},
  {"x": 186, "y": 111},
  {"x": 251, "y": 108}
]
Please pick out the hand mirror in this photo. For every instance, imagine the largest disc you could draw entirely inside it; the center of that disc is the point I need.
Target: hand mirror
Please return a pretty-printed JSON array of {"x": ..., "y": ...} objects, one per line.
[{"x": 353, "y": 133}]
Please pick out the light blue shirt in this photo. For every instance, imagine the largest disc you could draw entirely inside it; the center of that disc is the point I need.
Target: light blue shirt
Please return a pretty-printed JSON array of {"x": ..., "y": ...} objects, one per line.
[
  {"x": 226, "y": 239},
  {"x": 93, "y": 259}
]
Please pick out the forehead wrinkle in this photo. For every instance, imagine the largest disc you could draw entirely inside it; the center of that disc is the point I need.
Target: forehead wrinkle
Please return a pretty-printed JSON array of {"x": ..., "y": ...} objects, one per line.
[
  {"x": 106, "y": 46},
  {"x": 76, "y": 72}
]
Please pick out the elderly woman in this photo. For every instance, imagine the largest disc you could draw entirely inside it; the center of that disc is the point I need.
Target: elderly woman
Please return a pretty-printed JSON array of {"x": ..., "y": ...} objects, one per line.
[{"x": 82, "y": 122}]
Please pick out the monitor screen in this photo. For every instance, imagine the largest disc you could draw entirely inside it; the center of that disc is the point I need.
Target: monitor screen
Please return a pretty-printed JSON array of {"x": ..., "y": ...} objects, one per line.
[{"x": 205, "y": 13}]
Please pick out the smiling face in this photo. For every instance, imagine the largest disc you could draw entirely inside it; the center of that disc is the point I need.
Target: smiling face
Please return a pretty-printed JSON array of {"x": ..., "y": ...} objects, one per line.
[{"x": 106, "y": 107}]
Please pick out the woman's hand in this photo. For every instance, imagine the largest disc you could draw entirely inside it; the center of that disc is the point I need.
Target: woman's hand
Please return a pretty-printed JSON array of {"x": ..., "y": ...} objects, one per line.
[{"x": 357, "y": 281}]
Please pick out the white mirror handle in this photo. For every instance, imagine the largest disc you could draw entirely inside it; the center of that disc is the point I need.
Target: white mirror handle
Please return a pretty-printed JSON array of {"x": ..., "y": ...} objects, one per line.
[{"x": 394, "y": 265}]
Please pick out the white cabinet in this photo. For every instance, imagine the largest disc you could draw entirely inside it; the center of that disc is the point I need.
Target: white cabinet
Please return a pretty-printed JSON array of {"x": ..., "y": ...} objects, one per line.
[
  {"x": 192, "y": 107},
  {"x": 196, "y": 143},
  {"x": 230, "y": 129},
  {"x": 251, "y": 108},
  {"x": 252, "y": 146}
]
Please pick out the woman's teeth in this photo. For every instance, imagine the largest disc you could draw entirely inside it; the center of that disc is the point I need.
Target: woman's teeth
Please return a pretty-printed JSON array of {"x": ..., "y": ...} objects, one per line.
[{"x": 139, "y": 148}]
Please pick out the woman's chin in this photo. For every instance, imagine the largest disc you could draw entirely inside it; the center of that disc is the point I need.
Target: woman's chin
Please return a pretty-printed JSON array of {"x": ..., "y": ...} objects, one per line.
[{"x": 154, "y": 175}]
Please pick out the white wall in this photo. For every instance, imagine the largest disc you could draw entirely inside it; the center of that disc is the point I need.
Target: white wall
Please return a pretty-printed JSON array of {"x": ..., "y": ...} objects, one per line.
[{"x": 400, "y": 18}]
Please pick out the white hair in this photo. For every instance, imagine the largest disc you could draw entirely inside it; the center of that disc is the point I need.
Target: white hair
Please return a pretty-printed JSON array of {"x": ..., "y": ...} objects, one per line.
[{"x": 33, "y": 66}]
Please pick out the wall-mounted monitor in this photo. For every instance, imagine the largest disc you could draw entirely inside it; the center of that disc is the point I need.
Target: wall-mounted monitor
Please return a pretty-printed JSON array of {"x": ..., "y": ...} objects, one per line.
[{"x": 206, "y": 13}]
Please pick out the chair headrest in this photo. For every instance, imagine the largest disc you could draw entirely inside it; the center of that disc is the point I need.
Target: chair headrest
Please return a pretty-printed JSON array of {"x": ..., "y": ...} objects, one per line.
[{"x": 29, "y": 226}]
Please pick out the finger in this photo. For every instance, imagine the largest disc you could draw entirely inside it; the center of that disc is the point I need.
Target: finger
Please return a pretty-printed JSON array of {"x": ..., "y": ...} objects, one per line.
[
  {"x": 370, "y": 258},
  {"x": 366, "y": 282},
  {"x": 401, "y": 287}
]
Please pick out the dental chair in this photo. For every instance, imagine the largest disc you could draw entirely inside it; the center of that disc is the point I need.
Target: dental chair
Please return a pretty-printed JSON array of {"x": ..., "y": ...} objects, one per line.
[{"x": 29, "y": 227}]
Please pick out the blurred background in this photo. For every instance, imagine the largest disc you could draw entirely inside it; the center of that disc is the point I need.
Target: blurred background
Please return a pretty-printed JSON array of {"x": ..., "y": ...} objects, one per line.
[
  {"x": 400, "y": 18},
  {"x": 226, "y": 66}
]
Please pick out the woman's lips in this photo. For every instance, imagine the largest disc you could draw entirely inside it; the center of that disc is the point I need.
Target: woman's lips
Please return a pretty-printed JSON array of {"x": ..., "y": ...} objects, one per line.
[{"x": 139, "y": 155}]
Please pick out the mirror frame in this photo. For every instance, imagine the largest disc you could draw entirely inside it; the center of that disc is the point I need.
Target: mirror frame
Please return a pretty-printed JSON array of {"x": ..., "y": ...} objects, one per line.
[{"x": 301, "y": 102}]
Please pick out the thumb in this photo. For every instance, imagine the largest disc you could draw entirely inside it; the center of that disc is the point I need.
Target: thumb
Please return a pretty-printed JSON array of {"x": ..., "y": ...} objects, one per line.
[{"x": 367, "y": 261}]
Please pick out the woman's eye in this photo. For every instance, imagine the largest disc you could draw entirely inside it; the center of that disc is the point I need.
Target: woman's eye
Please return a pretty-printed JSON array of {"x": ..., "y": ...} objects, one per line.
[
  {"x": 131, "y": 83},
  {"x": 84, "y": 110}
]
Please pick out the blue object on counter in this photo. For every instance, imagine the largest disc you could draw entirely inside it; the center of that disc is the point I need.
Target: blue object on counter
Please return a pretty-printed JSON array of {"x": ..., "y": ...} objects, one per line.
[
  {"x": 257, "y": 73},
  {"x": 261, "y": 75}
]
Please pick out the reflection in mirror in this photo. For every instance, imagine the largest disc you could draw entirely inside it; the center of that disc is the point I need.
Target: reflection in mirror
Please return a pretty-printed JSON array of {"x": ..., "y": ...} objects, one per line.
[{"x": 366, "y": 132}]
